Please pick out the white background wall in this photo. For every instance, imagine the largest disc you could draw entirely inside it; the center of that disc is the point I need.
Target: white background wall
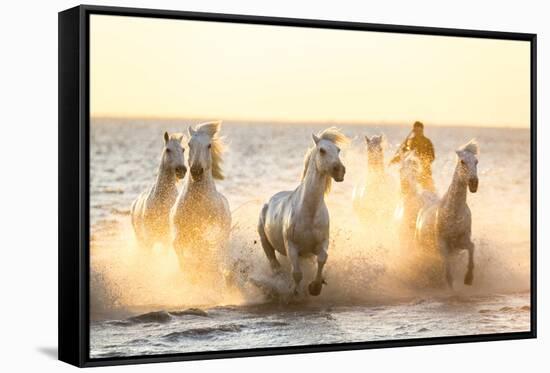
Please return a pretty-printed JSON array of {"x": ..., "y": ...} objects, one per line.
[{"x": 28, "y": 183}]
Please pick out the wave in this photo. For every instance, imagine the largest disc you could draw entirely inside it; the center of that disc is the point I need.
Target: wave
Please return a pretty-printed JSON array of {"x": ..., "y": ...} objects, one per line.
[
  {"x": 150, "y": 317},
  {"x": 507, "y": 309},
  {"x": 204, "y": 332},
  {"x": 190, "y": 312}
]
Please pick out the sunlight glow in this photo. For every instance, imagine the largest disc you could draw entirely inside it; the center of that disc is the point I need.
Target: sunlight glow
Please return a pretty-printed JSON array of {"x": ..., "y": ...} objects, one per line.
[{"x": 146, "y": 67}]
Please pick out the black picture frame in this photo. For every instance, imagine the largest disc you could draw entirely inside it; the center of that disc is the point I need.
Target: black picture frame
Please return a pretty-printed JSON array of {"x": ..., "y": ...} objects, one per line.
[{"x": 74, "y": 176}]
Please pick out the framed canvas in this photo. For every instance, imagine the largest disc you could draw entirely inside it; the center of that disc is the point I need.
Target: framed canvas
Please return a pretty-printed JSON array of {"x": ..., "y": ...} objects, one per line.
[{"x": 235, "y": 186}]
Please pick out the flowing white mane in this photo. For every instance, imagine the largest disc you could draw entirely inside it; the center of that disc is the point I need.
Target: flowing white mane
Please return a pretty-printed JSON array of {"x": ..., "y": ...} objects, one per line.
[
  {"x": 333, "y": 135},
  {"x": 212, "y": 129},
  {"x": 470, "y": 147}
]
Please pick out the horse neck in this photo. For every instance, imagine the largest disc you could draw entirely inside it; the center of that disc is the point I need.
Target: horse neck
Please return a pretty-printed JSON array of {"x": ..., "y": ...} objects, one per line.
[
  {"x": 455, "y": 198},
  {"x": 375, "y": 162},
  {"x": 408, "y": 188},
  {"x": 201, "y": 187},
  {"x": 312, "y": 189},
  {"x": 165, "y": 182}
]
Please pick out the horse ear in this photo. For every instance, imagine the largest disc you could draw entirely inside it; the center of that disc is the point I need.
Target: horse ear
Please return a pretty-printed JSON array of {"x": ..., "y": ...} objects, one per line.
[
  {"x": 166, "y": 137},
  {"x": 367, "y": 139},
  {"x": 190, "y": 130},
  {"x": 315, "y": 138},
  {"x": 218, "y": 125}
]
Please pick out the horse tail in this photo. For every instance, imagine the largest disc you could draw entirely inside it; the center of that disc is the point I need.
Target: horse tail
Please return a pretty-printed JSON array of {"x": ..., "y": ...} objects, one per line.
[
  {"x": 261, "y": 220},
  {"x": 261, "y": 229},
  {"x": 269, "y": 250}
]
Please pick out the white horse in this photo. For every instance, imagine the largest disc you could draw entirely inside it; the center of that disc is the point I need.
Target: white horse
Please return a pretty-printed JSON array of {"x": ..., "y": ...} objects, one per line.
[
  {"x": 447, "y": 225},
  {"x": 201, "y": 215},
  {"x": 296, "y": 223},
  {"x": 410, "y": 197},
  {"x": 150, "y": 211},
  {"x": 372, "y": 200}
]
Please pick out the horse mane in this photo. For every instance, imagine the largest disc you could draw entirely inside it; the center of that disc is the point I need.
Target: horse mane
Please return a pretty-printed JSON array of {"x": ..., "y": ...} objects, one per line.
[
  {"x": 470, "y": 147},
  {"x": 177, "y": 136},
  {"x": 212, "y": 130},
  {"x": 333, "y": 135}
]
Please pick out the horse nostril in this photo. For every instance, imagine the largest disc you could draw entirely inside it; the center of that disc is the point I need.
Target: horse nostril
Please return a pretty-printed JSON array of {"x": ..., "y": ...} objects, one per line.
[
  {"x": 181, "y": 171},
  {"x": 474, "y": 184},
  {"x": 197, "y": 170},
  {"x": 337, "y": 169}
]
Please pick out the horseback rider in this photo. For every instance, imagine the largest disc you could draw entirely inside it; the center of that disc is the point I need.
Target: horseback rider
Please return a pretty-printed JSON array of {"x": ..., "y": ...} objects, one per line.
[{"x": 424, "y": 149}]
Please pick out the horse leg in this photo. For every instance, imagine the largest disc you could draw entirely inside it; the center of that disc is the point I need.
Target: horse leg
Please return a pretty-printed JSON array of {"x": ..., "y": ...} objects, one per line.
[
  {"x": 444, "y": 248},
  {"x": 316, "y": 285},
  {"x": 469, "y": 278},
  {"x": 297, "y": 274},
  {"x": 178, "y": 248},
  {"x": 268, "y": 249}
]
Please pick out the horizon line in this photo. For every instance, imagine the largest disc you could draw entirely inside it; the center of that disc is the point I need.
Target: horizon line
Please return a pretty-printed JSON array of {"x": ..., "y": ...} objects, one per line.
[{"x": 303, "y": 122}]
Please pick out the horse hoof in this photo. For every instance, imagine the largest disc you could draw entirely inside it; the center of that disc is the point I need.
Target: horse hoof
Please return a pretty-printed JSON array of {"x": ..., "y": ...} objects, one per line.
[
  {"x": 315, "y": 288},
  {"x": 468, "y": 280}
]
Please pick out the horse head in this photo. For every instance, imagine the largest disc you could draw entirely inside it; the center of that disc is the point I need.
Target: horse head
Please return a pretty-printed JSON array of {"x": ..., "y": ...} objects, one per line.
[
  {"x": 205, "y": 149},
  {"x": 327, "y": 153},
  {"x": 467, "y": 164},
  {"x": 173, "y": 154},
  {"x": 375, "y": 150}
]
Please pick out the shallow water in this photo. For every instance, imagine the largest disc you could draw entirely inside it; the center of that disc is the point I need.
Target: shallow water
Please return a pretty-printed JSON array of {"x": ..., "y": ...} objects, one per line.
[
  {"x": 226, "y": 328},
  {"x": 376, "y": 289}
]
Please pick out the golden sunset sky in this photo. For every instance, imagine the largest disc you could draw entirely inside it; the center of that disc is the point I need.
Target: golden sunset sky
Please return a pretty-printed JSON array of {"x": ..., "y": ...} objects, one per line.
[{"x": 146, "y": 67}]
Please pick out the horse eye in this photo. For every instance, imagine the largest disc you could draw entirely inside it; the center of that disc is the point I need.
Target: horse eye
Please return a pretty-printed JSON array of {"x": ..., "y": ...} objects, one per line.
[
  {"x": 462, "y": 161},
  {"x": 209, "y": 146},
  {"x": 168, "y": 150},
  {"x": 322, "y": 151}
]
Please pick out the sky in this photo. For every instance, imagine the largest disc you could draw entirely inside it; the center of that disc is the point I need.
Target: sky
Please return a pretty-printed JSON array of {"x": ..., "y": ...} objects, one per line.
[{"x": 159, "y": 68}]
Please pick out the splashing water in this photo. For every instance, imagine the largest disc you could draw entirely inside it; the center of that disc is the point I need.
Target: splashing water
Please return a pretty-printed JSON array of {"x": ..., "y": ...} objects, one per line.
[{"x": 370, "y": 275}]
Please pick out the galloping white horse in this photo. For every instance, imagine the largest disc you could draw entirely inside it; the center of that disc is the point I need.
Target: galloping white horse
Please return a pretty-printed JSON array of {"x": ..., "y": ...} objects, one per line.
[
  {"x": 371, "y": 200},
  {"x": 410, "y": 199},
  {"x": 201, "y": 216},
  {"x": 150, "y": 212},
  {"x": 296, "y": 223},
  {"x": 447, "y": 225}
]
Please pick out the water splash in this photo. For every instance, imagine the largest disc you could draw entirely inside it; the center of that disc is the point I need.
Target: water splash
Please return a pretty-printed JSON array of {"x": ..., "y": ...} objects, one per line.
[{"x": 366, "y": 265}]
